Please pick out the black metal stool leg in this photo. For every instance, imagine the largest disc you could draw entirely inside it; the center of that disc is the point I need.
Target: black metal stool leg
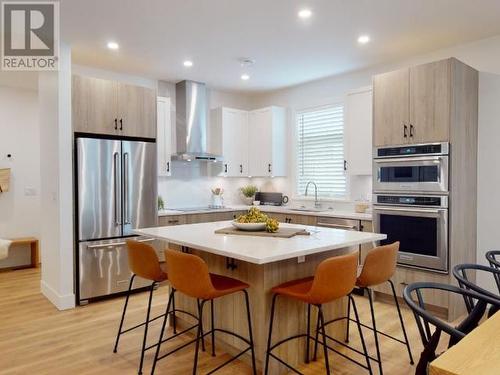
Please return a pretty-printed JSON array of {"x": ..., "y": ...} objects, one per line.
[
  {"x": 348, "y": 320},
  {"x": 315, "y": 356},
  {"x": 198, "y": 336},
  {"x": 173, "y": 317},
  {"x": 323, "y": 333},
  {"x": 401, "y": 321},
  {"x": 213, "y": 326},
  {"x": 200, "y": 318},
  {"x": 375, "y": 333},
  {"x": 266, "y": 367},
  {"x": 360, "y": 330},
  {"x": 146, "y": 327},
  {"x": 170, "y": 299},
  {"x": 250, "y": 333},
  {"x": 308, "y": 338},
  {"x": 123, "y": 314}
]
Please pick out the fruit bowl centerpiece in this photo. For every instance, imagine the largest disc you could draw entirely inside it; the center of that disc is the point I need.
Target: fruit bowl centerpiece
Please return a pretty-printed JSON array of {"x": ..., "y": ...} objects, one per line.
[{"x": 254, "y": 220}]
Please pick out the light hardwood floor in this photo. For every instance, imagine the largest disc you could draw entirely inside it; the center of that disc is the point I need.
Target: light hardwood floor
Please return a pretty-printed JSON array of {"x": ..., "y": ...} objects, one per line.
[{"x": 35, "y": 338}]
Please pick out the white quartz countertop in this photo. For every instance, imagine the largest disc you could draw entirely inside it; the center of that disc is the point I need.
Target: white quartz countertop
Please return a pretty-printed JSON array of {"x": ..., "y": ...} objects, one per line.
[
  {"x": 343, "y": 214},
  {"x": 259, "y": 250}
]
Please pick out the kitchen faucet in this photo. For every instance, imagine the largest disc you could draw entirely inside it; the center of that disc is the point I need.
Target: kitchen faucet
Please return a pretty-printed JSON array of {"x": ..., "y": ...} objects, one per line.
[{"x": 316, "y": 202}]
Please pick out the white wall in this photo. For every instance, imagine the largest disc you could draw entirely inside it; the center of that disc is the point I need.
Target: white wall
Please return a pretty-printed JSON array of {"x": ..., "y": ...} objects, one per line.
[
  {"x": 56, "y": 169},
  {"x": 20, "y": 137},
  {"x": 488, "y": 202}
]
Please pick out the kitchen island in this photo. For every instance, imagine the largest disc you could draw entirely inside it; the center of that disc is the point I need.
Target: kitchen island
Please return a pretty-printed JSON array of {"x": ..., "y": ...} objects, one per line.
[{"x": 263, "y": 262}]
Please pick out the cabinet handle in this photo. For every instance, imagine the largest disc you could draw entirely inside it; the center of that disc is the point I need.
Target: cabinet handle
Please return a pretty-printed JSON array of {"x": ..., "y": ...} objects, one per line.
[
  {"x": 405, "y": 129},
  {"x": 121, "y": 124},
  {"x": 173, "y": 221},
  {"x": 116, "y": 124},
  {"x": 411, "y": 131},
  {"x": 269, "y": 167},
  {"x": 225, "y": 168},
  {"x": 241, "y": 168},
  {"x": 168, "y": 166},
  {"x": 345, "y": 165}
]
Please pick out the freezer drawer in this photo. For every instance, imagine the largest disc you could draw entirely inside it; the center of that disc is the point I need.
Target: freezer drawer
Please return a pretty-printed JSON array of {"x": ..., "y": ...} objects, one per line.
[{"x": 103, "y": 269}]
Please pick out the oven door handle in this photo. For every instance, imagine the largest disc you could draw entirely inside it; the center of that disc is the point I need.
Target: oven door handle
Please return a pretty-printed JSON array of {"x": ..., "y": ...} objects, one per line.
[
  {"x": 435, "y": 159},
  {"x": 416, "y": 210}
]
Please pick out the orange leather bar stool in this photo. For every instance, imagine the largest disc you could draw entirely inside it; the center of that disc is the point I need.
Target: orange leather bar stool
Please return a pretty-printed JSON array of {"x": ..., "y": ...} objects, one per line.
[
  {"x": 378, "y": 268},
  {"x": 144, "y": 262},
  {"x": 334, "y": 278},
  {"x": 188, "y": 274}
]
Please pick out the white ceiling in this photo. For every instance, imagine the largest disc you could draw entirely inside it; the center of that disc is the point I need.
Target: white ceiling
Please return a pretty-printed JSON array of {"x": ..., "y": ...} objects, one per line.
[{"x": 156, "y": 36}]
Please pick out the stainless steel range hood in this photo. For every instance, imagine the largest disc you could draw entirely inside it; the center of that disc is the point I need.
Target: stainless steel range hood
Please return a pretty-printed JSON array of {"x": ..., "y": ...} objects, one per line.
[{"x": 191, "y": 122}]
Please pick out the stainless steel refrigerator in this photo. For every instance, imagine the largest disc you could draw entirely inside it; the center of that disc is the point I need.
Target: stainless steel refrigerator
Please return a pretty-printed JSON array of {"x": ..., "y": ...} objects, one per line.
[{"x": 116, "y": 188}]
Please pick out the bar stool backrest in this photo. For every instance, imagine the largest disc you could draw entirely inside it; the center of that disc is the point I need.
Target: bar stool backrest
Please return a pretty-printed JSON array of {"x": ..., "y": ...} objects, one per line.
[
  {"x": 462, "y": 273},
  {"x": 189, "y": 274},
  {"x": 380, "y": 265},
  {"x": 143, "y": 261},
  {"x": 493, "y": 258},
  {"x": 334, "y": 278}
]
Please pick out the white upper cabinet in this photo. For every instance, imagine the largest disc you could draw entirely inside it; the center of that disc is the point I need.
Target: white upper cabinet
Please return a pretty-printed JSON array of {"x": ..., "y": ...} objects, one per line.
[
  {"x": 267, "y": 142},
  {"x": 229, "y": 137},
  {"x": 164, "y": 136},
  {"x": 358, "y": 131},
  {"x": 252, "y": 143}
]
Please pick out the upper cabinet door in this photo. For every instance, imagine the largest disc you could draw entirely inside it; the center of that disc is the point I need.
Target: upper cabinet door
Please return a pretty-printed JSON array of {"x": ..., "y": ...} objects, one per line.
[
  {"x": 94, "y": 105},
  {"x": 358, "y": 131},
  {"x": 136, "y": 111},
  {"x": 391, "y": 108},
  {"x": 261, "y": 142},
  {"x": 235, "y": 142},
  {"x": 430, "y": 102},
  {"x": 164, "y": 136}
]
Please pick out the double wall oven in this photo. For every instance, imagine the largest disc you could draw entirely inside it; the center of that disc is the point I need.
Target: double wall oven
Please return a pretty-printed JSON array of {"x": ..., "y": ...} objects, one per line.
[{"x": 410, "y": 202}]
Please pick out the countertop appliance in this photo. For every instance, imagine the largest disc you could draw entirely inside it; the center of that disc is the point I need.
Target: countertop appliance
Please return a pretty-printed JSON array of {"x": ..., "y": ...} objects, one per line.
[
  {"x": 410, "y": 202},
  {"x": 412, "y": 168},
  {"x": 116, "y": 192},
  {"x": 270, "y": 199}
]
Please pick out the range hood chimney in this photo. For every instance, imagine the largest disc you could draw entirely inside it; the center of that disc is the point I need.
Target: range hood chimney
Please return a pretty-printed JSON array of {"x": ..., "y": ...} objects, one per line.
[{"x": 191, "y": 122}]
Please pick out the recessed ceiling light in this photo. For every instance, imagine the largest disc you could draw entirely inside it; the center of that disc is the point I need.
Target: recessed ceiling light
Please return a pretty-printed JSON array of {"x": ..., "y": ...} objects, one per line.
[
  {"x": 363, "y": 39},
  {"x": 305, "y": 13},
  {"x": 188, "y": 63},
  {"x": 113, "y": 45},
  {"x": 245, "y": 77}
]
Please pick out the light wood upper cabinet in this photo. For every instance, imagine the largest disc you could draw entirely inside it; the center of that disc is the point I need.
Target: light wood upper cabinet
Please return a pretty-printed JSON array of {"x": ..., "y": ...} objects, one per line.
[
  {"x": 391, "y": 107},
  {"x": 413, "y": 105},
  {"x": 94, "y": 105},
  {"x": 430, "y": 102},
  {"x": 107, "y": 107},
  {"x": 137, "y": 111}
]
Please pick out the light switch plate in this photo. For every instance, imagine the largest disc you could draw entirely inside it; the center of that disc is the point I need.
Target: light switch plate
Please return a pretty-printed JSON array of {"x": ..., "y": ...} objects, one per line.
[
  {"x": 301, "y": 259},
  {"x": 30, "y": 191}
]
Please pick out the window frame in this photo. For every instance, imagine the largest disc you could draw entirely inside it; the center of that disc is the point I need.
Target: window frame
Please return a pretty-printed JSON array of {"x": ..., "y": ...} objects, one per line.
[{"x": 299, "y": 195}]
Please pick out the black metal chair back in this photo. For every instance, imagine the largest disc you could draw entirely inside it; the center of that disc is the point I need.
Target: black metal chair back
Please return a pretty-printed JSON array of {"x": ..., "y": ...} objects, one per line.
[
  {"x": 493, "y": 258},
  {"x": 425, "y": 320},
  {"x": 462, "y": 273}
]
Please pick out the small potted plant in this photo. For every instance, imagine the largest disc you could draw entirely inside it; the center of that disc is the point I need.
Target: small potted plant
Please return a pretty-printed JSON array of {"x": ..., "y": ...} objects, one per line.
[{"x": 248, "y": 194}]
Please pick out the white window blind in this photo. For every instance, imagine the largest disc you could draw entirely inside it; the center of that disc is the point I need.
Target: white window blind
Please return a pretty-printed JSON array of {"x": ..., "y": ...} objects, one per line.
[{"x": 320, "y": 151}]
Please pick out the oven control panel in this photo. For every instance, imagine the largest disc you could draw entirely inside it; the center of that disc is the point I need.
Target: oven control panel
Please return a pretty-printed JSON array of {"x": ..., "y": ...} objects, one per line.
[
  {"x": 412, "y": 200},
  {"x": 413, "y": 150}
]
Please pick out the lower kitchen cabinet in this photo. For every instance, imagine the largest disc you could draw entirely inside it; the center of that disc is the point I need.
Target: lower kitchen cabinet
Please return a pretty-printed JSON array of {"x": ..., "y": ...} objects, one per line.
[{"x": 165, "y": 221}]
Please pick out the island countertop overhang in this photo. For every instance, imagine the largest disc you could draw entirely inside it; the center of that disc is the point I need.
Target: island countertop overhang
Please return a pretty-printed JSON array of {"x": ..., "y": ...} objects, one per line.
[{"x": 259, "y": 250}]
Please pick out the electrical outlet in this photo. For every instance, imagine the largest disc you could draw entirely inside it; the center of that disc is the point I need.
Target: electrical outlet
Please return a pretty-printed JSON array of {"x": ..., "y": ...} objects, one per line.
[{"x": 30, "y": 191}]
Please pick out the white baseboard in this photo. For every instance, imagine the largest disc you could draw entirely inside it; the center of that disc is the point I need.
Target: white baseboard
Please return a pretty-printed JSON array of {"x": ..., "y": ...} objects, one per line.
[{"x": 63, "y": 302}]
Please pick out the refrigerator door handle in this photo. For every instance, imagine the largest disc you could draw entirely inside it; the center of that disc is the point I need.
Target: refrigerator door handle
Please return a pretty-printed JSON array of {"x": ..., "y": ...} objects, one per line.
[
  {"x": 126, "y": 203},
  {"x": 116, "y": 187}
]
